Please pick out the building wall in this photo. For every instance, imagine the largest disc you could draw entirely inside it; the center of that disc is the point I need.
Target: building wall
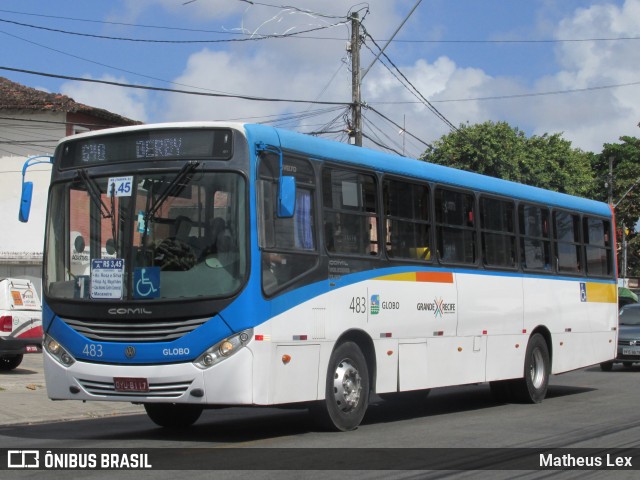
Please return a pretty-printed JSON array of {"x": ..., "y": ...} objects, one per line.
[{"x": 26, "y": 133}]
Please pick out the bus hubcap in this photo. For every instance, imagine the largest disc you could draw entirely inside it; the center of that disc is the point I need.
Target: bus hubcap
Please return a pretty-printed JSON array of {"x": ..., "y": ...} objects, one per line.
[
  {"x": 347, "y": 386},
  {"x": 537, "y": 369}
]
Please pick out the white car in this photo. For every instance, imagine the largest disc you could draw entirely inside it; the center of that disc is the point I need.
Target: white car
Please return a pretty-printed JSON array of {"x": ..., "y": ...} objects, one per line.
[{"x": 20, "y": 321}]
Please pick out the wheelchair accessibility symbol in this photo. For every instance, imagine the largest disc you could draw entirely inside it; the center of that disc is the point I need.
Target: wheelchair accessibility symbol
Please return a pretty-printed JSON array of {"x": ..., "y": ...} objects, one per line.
[
  {"x": 583, "y": 292},
  {"x": 146, "y": 282}
]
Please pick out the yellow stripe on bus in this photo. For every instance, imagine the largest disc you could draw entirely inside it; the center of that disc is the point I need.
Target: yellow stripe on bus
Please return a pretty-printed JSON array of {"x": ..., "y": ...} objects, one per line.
[
  {"x": 602, "y": 292},
  {"x": 432, "y": 277}
]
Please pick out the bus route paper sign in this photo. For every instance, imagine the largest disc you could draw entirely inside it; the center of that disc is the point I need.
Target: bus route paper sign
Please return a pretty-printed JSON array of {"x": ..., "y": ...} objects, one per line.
[{"x": 107, "y": 277}]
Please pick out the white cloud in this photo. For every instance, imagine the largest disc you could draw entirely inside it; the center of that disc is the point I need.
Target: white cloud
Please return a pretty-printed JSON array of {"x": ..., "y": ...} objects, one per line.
[
  {"x": 123, "y": 101},
  {"x": 304, "y": 69},
  {"x": 593, "y": 118}
]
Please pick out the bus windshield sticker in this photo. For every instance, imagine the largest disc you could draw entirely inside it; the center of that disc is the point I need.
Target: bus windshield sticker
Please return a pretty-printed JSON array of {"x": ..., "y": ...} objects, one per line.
[
  {"x": 120, "y": 186},
  {"x": 147, "y": 282},
  {"x": 107, "y": 277}
]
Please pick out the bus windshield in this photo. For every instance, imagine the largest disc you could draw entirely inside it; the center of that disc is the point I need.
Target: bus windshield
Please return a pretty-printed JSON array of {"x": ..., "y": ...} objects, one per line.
[{"x": 162, "y": 236}]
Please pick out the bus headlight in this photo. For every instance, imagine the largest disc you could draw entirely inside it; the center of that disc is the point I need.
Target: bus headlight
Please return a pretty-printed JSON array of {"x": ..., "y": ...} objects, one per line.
[
  {"x": 223, "y": 349},
  {"x": 57, "y": 351}
]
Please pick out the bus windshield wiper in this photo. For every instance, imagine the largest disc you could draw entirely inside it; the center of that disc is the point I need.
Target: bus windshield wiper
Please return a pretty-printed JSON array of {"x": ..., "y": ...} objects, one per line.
[
  {"x": 96, "y": 195},
  {"x": 180, "y": 181},
  {"x": 94, "y": 192}
]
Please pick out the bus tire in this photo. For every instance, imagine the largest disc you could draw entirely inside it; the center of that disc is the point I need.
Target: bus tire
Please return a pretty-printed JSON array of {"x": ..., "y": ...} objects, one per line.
[
  {"x": 347, "y": 389},
  {"x": 10, "y": 362},
  {"x": 606, "y": 366},
  {"x": 532, "y": 388},
  {"x": 173, "y": 415}
]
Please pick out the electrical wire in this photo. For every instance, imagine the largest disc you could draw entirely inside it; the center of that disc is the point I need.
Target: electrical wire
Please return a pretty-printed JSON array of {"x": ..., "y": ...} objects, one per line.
[
  {"x": 426, "y": 102},
  {"x": 180, "y": 42},
  {"x": 431, "y": 41},
  {"x": 169, "y": 90}
]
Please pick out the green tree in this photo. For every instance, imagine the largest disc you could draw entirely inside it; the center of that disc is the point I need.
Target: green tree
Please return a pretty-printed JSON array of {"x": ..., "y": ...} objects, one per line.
[
  {"x": 625, "y": 192},
  {"x": 499, "y": 150}
]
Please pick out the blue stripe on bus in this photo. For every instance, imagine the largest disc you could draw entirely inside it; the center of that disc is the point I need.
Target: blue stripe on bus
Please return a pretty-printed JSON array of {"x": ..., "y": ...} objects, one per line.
[
  {"x": 384, "y": 162},
  {"x": 262, "y": 310},
  {"x": 247, "y": 311}
]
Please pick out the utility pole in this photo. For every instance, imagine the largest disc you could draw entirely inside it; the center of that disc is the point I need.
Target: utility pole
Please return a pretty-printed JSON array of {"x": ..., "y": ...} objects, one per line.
[
  {"x": 610, "y": 181},
  {"x": 357, "y": 76},
  {"x": 356, "y": 109}
]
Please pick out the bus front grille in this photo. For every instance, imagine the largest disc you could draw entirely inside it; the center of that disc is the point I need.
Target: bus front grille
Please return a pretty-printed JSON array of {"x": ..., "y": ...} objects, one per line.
[
  {"x": 156, "y": 390},
  {"x": 134, "y": 331}
]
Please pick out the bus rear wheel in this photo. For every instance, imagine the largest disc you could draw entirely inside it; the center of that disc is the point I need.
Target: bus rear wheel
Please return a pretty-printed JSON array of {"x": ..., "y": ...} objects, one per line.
[
  {"x": 532, "y": 388},
  {"x": 10, "y": 362},
  {"x": 173, "y": 415},
  {"x": 347, "y": 389}
]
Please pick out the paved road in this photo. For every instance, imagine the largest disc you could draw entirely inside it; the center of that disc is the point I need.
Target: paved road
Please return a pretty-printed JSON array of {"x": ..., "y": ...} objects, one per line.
[
  {"x": 23, "y": 399},
  {"x": 584, "y": 409}
]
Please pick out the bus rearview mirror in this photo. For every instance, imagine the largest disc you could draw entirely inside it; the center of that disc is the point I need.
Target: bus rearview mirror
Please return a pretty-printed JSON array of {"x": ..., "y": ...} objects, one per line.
[
  {"x": 286, "y": 197},
  {"x": 25, "y": 201}
]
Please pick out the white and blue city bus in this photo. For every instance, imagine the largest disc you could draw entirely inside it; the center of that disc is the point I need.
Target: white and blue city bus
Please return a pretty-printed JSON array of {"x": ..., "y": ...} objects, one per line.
[{"x": 198, "y": 265}]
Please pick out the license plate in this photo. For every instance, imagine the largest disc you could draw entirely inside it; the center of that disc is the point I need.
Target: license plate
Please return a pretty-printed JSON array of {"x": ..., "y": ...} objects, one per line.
[
  {"x": 631, "y": 351},
  {"x": 126, "y": 384},
  {"x": 32, "y": 349}
]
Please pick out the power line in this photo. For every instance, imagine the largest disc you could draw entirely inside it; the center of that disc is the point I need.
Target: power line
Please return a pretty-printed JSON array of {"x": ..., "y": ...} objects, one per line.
[
  {"x": 227, "y": 32},
  {"x": 406, "y": 132},
  {"x": 111, "y": 66},
  {"x": 251, "y": 38},
  {"x": 169, "y": 90},
  {"x": 416, "y": 93},
  {"x": 518, "y": 95}
]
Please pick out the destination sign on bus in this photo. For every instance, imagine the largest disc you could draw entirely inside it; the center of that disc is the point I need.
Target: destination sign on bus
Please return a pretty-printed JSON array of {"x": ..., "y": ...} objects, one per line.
[{"x": 170, "y": 144}]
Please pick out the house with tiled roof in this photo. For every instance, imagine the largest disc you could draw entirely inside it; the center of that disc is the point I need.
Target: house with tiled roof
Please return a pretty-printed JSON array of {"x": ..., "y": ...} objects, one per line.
[{"x": 32, "y": 122}]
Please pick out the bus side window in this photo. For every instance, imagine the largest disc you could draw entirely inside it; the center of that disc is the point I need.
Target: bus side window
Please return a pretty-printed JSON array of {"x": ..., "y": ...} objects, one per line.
[
  {"x": 535, "y": 245},
  {"x": 567, "y": 242},
  {"x": 350, "y": 207},
  {"x": 455, "y": 233},
  {"x": 407, "y": 220},
  {"x": 288, "y": 244}
]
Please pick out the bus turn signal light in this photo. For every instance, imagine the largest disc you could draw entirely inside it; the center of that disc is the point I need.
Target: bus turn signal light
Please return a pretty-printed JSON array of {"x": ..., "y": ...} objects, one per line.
[{"x": 286, "y": 358}]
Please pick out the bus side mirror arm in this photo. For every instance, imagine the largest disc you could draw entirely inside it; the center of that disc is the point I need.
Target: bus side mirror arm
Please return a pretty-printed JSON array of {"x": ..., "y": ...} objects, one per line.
[
  {"x": 286, "y": 184},
  {"x": 27, "y": 187}
]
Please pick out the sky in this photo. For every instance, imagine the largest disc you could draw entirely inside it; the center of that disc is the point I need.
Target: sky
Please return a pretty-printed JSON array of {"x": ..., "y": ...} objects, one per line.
[{"x": 542, "y": 66}]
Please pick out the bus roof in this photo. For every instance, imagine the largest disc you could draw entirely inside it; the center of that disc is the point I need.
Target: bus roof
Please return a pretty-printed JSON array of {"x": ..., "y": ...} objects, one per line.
[
  {"x": 385, "y": 162},
  {"x": 322, "y": 149}
]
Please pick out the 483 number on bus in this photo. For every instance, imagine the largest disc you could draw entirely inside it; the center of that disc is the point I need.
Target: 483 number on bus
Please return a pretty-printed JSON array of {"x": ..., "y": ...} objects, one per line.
[{"x": 358, "y": 305}]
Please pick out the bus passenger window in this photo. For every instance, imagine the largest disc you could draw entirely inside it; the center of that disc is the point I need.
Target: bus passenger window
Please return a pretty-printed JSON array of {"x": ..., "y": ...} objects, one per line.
[
  {"x": 407, "y": 220},
  {"x": 455, "y": 230},
  {"x": 598, "y": 250},
  {"x": 535, "y": 245},
  {"x": 497, "y": 225},
  {"x": 350, "y": 212},
  {"x": 567, "y": 242}
]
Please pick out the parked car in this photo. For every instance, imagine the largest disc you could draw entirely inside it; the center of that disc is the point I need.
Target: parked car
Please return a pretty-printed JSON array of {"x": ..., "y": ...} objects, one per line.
[
  {"x": 20, "y": 321},
  {"x": 628, "y": 337}
]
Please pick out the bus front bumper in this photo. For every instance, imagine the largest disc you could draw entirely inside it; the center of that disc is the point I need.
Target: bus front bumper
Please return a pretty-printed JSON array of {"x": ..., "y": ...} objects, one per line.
[{"x": 227, "y": 383}]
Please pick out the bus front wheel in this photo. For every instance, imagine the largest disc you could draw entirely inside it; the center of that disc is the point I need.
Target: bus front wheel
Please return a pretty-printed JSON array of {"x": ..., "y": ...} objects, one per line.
[
  {"x": 347, "y": 389},
  {"x": 173, "y": 415},
  {"x": 532, "y": 388}
]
